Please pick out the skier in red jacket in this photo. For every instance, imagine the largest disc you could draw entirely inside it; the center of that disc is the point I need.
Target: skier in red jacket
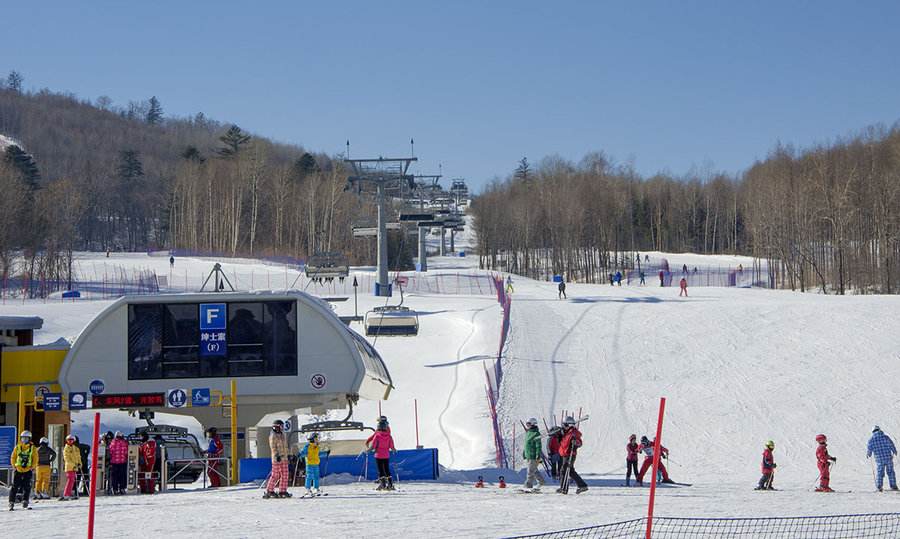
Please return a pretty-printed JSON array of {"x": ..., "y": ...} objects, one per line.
[
  {"x": 632, "y": 448},
  {"x": 824, "y": 461},
  {"x": 768, "y": 467},
  {"x": 568, "y": 450},
  {"x": 554, "y": 437},
  {"x": 647, "y": 448},
  {"x": 683, "y": 285},
  {"x": 214, "y": 452},
  {"x": 147, "y": 461}
]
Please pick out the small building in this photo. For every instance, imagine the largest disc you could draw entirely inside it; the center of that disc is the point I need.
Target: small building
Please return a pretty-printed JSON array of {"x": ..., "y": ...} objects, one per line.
[{"x": 19, "y": 330}]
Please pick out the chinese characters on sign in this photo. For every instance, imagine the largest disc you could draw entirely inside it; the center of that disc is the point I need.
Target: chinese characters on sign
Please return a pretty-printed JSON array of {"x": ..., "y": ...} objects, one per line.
[
  {"x": 129, "y": 400},
  {"x": 213, "y": 339}
]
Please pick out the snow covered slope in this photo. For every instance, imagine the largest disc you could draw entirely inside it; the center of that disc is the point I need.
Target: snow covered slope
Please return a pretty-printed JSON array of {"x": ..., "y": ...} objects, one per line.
[{"x": 738, "y": 367}]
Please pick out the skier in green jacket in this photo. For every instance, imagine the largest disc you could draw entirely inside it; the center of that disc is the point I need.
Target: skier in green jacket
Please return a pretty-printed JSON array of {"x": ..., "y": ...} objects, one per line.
[{"x": 532, "y": 454}]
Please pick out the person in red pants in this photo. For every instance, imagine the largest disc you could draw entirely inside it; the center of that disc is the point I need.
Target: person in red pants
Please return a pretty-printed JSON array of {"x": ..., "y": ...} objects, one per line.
[
  {"x": 214, "y": 451},
  {"x": 647, "y": 449},
  {"x": 824, "y": 461},
  {"x": 683, "y": 285},
  {"x": 147, "y": 460}
]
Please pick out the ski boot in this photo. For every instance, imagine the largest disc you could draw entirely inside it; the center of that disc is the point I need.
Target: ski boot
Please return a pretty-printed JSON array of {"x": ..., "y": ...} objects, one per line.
[
  {"x": 12, "y": 506},
  {"x": 667, "y": 480},
  {"x": 893, "y": 488},
  {"x": 269, "y": 494},
  {"x": 381, "y": 484},
  {"x": 25, "y": 504},
  {"x": 824, "y": 489},
  {"x": 561, "y": 491},
  {"x": 284, "y": 494},
  {"x": 390, "y": 484},
  {"x": 579, "y": 490}
]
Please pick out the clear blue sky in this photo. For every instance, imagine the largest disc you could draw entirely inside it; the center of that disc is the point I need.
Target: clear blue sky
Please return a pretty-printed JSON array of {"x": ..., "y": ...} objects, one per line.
[{"x": 667, "y": 85}]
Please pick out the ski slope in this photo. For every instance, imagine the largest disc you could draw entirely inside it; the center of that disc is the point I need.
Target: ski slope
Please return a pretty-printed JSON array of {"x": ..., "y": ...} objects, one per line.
[{"x": 738, "y": 367}]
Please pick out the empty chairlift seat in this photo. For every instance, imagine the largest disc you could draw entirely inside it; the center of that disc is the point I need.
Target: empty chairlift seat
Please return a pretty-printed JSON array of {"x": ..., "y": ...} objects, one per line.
[{"x": 392, "y": 320}]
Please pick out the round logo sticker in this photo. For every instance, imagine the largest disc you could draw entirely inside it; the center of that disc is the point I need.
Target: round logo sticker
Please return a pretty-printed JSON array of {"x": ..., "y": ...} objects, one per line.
[
  {"x": 317, "y": 381},
  {"x": 97, "y": 387}
]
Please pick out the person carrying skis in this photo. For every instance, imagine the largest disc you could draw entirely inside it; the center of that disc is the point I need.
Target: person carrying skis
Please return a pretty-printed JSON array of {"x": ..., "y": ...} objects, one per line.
[
  {"x": 71, "y": 465},
  {"x": 561, "y": 290},
  {"x": 147, "y": 461},
  {"x": 23, "y": 460},
  {"x": 824, "y": 461},
  {"x": 683, "y": 284},
  {"x": 881, "y": 445},
  {"x": 214, "y": 452},
  {"x": 531, "y": 452},
  {"x": 768, "y": 467},
  {"x": 278, "y": 446},
  {"x": 382, "y": 443},
  {"x": 632, "y": 448},
  {"x": 568, "y": 450},
  {"x": 554, "y": 437},
  {"x": 310, "y": 452},
  {"x": 647, "y": 449},
  {"x": 46, "y": 456}
]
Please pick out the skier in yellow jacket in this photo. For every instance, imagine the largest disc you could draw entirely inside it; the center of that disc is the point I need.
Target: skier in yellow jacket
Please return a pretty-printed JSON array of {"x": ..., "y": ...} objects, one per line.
[
  {"x": 24, "y": 459},
  {"x": 72, "y": 461}
]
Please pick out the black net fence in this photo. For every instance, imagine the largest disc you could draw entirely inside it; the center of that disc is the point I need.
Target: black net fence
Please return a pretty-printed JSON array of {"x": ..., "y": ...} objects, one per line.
[{"x": 812, "y": 527}]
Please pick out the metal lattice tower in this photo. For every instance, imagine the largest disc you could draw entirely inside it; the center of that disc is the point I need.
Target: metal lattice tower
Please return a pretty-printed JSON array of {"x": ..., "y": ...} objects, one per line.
[{"x": 385, "y": 177}]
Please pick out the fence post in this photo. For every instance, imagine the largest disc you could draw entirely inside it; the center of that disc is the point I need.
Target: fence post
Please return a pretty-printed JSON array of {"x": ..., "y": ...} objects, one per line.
[{"x": 657, "y": 443}]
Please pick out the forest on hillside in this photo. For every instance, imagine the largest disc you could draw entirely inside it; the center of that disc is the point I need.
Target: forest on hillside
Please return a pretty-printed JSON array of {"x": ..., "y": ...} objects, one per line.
[
  {"x": 92, "y": 175},
  {"x": 826, "y": 217}
]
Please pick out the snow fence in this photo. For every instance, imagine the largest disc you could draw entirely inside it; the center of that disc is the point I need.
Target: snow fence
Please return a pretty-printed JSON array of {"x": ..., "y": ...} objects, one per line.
[
  {"x": 494, "y": 374},
  {"x": 876, "y": 525}
]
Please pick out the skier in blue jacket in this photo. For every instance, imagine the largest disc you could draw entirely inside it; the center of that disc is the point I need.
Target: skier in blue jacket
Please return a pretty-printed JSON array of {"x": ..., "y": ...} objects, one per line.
[{"x": 881, "y": 445}]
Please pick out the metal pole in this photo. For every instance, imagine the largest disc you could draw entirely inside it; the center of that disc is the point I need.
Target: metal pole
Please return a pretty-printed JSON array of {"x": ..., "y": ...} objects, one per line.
[
  {"x": 423, "y": 255},
  {"x": 234, "y": 433},
  {"x": 416, "y": 409},
  {"x": 21, "y": 403},
  {"x": 95, "y": 448},
  {"x": 657, "y": 443},
  {"x": 443, "y": 241},
  {"x": 452, "y": 241},
  {"x": 382, "y": 284}
]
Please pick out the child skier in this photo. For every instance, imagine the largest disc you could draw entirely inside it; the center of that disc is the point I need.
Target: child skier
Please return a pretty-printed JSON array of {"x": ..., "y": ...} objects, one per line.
[
  {"x": 71, "y": 464},
  {"x": 632, "y": 448},
  {"x": 768, "y": 467},
  {"x": 46, "y": 456},
  {"x": 311, "y": 453},
  {"x": 647, "y": 449},
  {"x": 683, "y": 285},
  {"x": 568, "y": 450},
  {"x": 279, "y": 477},
  {"x": 824, "y": 461},
  {"x": 383, "y": 445},
  {"x": 532, "y": 455}
]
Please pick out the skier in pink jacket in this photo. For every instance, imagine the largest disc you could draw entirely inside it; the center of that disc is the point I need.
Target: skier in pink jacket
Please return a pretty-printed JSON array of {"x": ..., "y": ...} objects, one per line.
[{"x": 383, "y": 445}]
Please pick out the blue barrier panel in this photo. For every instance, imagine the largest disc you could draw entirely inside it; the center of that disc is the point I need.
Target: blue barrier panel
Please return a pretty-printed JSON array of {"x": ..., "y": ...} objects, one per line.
[{"x": 406, "y": 464}]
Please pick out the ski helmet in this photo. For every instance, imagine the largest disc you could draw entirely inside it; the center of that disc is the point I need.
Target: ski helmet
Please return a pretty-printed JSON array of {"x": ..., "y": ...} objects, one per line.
[
  {"x": 384, "y": 419},
  {"x": 770, "y": 444},
  {"x": 119, "y": 434},
  {"x": 44, "y": 440},
  {"x": 382, "y": 425},
  {"x": 277, "y": 425},
  {"x": 313, "y": 437},
  {"x": 26, "y": 435},
  {"x": 645, "y": 440},
  {"x": 532, "y": 422},
  {"x": 212, "y": 431},
  {"x": 876, "y": 429},
  {"x": 569, "y": 422},
  {"x": 821, "y": 438},
  {"x": 632, "y": 438},
  {"x": 70, "y": 437}
]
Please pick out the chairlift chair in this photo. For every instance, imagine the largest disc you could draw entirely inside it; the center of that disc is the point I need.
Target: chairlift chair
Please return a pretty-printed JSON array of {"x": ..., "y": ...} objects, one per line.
[
  {"x": 327, "y": 266},
  {"x": 393, "y": 319}
]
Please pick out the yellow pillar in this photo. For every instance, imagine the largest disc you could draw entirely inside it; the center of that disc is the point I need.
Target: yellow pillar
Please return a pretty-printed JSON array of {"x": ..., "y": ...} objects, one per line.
[
  {"x": 21, "y": 403},
  {"x": 234, "y": 433}
]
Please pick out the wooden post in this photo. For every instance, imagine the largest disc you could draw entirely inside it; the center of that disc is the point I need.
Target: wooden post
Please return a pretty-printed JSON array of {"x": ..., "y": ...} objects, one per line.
[{"x": 234, "y": 433}]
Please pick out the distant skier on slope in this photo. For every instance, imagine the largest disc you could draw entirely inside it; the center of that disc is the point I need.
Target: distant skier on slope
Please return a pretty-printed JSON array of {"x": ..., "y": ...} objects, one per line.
[
  {"x": 619, "y": 278},
  {"x": 662, "y": 278},
  {"x": 561, "y": 290},
  {"x": 881, "y": 445},
  {"x": 824, "y": 461},
  {"x": 768, "y": 467},
  {"x": 647, "y": 449},
  {"x": 643, "y": 276},
  {"x": 612, "y": 279},
  {"x": 531, "y": 452},
  {"x": 632, "y": 448},
  {"x": 509, "y": 284},
  {"x": 683, "y": 285},
  {"x": 568, "y": 450}
]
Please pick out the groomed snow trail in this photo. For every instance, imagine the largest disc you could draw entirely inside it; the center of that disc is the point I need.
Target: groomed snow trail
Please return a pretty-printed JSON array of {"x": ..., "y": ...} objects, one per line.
[{"x": 738, "y": 367}]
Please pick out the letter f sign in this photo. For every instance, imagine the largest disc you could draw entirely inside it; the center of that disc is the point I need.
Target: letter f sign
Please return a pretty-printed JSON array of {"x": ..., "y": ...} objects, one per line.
[{"x": 211, "y": 314}]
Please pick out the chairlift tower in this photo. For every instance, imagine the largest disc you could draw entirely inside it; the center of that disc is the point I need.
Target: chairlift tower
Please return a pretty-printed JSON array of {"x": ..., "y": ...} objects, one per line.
[
  {"x": 385, "y": 176},
  {"x": 424, "y": 182}
]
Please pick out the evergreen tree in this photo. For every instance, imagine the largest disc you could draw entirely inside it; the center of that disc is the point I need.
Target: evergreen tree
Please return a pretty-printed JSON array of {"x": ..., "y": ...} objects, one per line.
[
  {"x": 25, "y": 164},
  {"x": 191, "y": 153},
  {"x": 130, "y": 169},
  {"x": 523, "y": 170},
  {"x": 233, "y": 140},
  {"x": 14, "y": 81},
  {"x": 305, "y": 166},
  {"x": 154, "y": 111}
]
